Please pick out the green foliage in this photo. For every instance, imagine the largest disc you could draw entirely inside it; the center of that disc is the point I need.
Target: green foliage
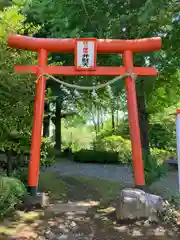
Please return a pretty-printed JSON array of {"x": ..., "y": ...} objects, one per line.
[
  {"x": 16, "y": 142},
  {"x": 74, "y": 145},
  {"x": 123, "y": 20},
  {"x": 115, "y": 144},
  {"x": 19, "y": 151},
  {"x": 16, "y": 91},
  {"x": 118, "y": 19},
  {"x": 153, "y": 165},
  {"x": 76, "y": 138},
  {"x": 123, "y": 147},
  {"x": 161, "y": 154},
  {"x": 12, "y": 190},
  {"x": 46, "y": 148},
  {"x": 153, "y": 168},
  {"x": 21, "y": 174},
  {"x": 162, "y": 137},
  {"x": 20, "y": 170},
  {"x": 94, "y": 156},
  {"x": 162, "y": 131}
]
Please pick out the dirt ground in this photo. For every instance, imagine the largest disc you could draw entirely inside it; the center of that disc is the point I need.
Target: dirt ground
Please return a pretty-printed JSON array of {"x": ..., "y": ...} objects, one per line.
[{"x": 81, "y": 209}]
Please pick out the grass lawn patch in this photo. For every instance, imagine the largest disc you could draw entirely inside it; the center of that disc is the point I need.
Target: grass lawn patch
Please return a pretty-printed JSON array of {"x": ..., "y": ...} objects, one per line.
[{"x": 78, "y": 187}]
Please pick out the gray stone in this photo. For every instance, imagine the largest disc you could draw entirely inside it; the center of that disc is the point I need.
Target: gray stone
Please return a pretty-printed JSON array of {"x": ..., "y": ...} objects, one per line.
[
  {"x": 69, "y": 236},
  {"x": 62, "y": 237},
  {"x": 73, "y": 224},
  {"x": 136, "y": 204},
  {"x": 49, "y": 234},
  {"x": 40, "y": 200}
]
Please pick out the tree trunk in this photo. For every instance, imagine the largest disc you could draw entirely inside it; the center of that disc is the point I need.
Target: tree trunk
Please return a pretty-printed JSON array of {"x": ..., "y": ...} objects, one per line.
[
  {"x": 143, "y": 119},
  {"x": 98, "y": 119},
  {"x": 46, "y": 121},
  {"x": 95, "y": 126},
  {"x": 94, "y": 115},
  {"x": 58, "y": 124},
  {"x": 117, "y": 113},
  {"x": 117, "y": 119},
  {"x": 102, "y": 120},
  {"x": 112, "y": 118},
  {"x": 9, "y": 168}
]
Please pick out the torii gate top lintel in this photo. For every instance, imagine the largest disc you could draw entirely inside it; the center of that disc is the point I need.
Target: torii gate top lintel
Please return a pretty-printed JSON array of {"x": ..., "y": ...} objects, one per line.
[{"x": 68, "y": 45}]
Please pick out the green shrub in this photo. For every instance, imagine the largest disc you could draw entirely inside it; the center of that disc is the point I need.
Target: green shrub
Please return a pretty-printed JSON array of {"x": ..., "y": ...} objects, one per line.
[
  {"x": 162, "y": 135},
  {"x": 12, "y": 190},
  {"x": 93, "y": 156},
  {"x": 115, "y": 144},
  {"x": 153, "y": 165},
  {"x": 153, "y": 169},
  {"x": 19, "y": 153},
  {"x": 21, "y": 174},
  {"x": 74, "y": 145},
  {"x": 46, "y": 149},
  {"x": 161, "y": 154}
]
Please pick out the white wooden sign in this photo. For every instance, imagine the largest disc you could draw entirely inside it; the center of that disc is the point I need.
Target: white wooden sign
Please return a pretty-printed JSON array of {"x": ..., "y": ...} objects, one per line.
[{"x": 85, "y": 54}]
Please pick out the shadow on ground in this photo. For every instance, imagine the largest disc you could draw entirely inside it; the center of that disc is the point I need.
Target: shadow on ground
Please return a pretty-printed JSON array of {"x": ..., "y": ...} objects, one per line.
[{"x": 77, "y": 213}]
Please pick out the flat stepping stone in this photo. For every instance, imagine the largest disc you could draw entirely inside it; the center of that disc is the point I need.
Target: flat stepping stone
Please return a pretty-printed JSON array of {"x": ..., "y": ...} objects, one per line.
[{"x": 71, "y": 207}]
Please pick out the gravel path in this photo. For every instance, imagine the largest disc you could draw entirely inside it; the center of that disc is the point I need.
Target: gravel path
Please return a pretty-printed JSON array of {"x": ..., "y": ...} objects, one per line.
[
  {"x": 122, "y": 174},
  {"x": 165, "y": 187}
]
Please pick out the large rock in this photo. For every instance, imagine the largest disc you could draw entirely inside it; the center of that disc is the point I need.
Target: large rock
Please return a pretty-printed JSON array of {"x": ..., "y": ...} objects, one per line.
[{"x": 137, "y": 204}]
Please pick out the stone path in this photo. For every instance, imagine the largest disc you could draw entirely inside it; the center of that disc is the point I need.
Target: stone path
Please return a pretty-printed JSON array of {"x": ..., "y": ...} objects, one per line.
[
  {"x": 85, "y": 221},
  {"x": 165, "y": 187},
  {"x": 121, "y": 174}
]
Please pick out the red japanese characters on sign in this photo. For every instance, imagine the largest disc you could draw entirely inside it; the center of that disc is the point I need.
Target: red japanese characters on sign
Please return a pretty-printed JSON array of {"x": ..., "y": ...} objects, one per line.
[{"x": 85, "y": 49}]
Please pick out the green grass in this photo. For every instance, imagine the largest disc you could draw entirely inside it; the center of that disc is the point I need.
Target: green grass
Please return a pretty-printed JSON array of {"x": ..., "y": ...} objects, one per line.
[
  {"x": 107, "y": 190},
  {"x": 78, "y": 188},
  {"x": 49, "y": 183}
]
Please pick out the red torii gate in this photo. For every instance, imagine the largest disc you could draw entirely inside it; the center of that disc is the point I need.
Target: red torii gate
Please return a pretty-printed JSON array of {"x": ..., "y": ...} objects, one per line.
[{"x": 126, "y": 47}]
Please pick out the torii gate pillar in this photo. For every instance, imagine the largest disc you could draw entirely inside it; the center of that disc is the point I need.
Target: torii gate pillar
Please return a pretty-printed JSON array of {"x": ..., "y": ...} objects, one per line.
[{"x": 85, "y": 64}]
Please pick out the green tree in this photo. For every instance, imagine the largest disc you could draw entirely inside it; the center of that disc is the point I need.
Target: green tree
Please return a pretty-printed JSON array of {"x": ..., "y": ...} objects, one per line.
[
  {"x": 16, "y": 91},
  {"x": 121, "y": 19}
]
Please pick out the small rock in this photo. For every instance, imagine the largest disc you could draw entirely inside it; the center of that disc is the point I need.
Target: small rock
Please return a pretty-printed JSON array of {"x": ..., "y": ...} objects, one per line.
[
  {"x": 61, "y": 226},
  {"x": 138, "y": 223},
  {"x": 49, "y": 234},
  {"x": 137, "y": 233},
  {"x": 62, "y": 237},
  {"x": 170, "y": 233},
  {"x": 147, "y": 223},
  {"x": 73, "y": 224},
  {"x": 41, "y": 238},
  {"x": 159, "y": 231}
]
